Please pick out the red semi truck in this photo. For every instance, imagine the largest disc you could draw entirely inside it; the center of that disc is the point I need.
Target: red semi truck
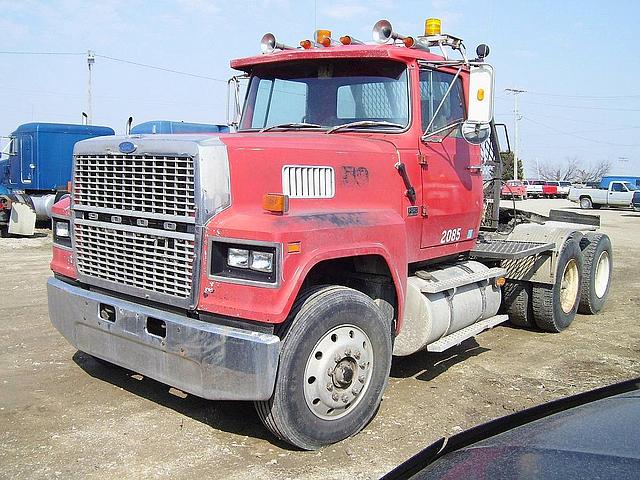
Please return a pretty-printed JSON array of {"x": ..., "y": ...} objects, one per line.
[{"x": 345, "y": 222}]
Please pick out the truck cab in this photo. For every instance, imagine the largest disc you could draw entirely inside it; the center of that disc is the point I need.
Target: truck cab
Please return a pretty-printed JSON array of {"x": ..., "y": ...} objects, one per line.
[{"x": 286, "y": 263}]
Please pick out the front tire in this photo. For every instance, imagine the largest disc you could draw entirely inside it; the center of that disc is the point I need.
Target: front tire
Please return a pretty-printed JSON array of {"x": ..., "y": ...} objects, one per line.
[
  {"x": 555, "y": 306},
  {"x": 598, "y": 266},
  {"x": 334, "y": 366}
]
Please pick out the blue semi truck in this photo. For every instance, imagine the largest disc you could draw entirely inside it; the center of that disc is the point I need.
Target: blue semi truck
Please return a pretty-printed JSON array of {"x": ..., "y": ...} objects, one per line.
[{"x": 35, "y": 167}]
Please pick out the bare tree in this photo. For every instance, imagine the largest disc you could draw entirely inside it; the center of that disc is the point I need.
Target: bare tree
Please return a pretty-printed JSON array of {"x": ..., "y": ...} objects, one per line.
[{"x": 573, "y": 171}]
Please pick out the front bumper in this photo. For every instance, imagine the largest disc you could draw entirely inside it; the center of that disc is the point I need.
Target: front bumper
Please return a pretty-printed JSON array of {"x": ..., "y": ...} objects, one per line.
[{"x": 208, "y": 360}]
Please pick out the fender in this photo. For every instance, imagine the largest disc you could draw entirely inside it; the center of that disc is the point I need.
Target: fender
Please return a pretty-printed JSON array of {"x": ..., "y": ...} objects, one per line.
[{"x": 322, "y": 236}]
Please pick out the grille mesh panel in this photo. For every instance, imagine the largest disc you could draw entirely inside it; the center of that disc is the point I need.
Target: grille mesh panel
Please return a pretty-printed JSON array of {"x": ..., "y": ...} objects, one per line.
[
  {"x": 158, "y": 184},
  {"x": 150, "y": 262}
]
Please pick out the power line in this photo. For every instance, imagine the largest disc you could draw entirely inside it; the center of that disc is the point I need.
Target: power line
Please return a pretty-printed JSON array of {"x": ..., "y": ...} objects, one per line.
[
  {"x": 586, "y": 97},
  {"x": 583, "y": 107},
  {"x": 41, "y": 53},
  {"x": 587, "y": 139},
  {"x": 163, "y": 69},
  {"x": 121, "y": 60}
]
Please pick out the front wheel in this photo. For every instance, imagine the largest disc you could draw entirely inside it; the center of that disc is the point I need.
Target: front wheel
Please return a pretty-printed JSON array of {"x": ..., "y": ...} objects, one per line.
[{"x": 334, "y": 365}]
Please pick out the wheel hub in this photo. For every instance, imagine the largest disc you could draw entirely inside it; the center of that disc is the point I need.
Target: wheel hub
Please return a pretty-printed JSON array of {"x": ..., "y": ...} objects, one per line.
[
  {"x": 569, "y": 286},
  {"x": 338, "y": 372}
]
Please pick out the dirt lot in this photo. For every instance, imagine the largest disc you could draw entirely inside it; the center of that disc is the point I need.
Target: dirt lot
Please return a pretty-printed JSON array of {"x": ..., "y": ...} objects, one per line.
[{"x": 64, "y": 415}]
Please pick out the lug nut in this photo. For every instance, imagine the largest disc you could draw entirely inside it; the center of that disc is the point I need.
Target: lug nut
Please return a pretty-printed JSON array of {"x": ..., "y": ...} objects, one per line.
[
  {"x": 337, "y": 357},
  {"x": 329, "y": 371},
  {"x": 361, "y": 378},
  {"x": 335, "y": 397},
  {"x": 355, "y": 391},
  {"x": 356, "y": 355},
  {"x": 347, "y": 352},
  {"x": 329, "y": 386},
  {"x": 345, "y": 399},
  {"x": 362, "y": 365}
]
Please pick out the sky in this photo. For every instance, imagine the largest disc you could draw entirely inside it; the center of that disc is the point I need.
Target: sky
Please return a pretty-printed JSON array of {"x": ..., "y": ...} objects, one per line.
[{"x": 575, "y": 59}]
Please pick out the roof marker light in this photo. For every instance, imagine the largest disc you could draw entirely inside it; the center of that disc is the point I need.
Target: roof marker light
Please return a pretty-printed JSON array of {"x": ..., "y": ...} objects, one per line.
[{"x": 349, "y": 40}]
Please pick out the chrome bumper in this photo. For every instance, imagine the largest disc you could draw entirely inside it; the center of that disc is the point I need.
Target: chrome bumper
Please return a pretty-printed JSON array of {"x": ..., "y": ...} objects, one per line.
[{"x": 208, "y": 360}]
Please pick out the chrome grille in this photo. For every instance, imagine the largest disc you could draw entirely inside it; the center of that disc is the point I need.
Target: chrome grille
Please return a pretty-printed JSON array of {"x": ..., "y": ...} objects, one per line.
[
  {"x": 158, "y": 184},
  {"x": 135, "y": 258}
]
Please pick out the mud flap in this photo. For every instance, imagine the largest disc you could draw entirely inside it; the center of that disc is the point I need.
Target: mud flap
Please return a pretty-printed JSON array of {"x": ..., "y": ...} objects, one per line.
[{"x": 22, "y": 220}]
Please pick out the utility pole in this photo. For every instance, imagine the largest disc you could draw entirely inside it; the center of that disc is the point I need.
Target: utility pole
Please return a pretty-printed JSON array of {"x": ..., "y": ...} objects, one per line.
[
  {"x": 91, "y": 59},
  {"x": 517, "y": 118}
]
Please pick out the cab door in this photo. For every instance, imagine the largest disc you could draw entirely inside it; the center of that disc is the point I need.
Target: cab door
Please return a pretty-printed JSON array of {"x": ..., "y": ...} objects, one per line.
[
  {"x": 451, "y": 181},
  {"x": 618, "y": 194}
]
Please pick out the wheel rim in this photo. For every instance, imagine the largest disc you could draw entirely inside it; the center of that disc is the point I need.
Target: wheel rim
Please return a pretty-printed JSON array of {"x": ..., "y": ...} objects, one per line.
[
  {"x": 569, "y": 286},
  {"x": 603, "y": 270},
  {"x": 584, "y": 203},
  {"x": 338, "y": 372}
]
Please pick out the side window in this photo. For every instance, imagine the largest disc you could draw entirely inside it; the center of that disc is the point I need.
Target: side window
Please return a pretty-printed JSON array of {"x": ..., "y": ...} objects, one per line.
[
  {"x": 279, "y": 101},
  {"x": 617, "y": 187},
  {"x": 433, "y": 87}
]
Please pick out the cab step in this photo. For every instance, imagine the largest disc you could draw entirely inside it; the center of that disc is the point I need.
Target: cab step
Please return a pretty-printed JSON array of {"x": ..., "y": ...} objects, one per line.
[{"x": 460, "y": 336}]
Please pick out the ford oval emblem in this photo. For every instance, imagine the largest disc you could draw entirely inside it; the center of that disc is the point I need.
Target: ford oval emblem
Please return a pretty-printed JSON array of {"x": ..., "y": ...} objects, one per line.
[{"x": 127, "y": 147}]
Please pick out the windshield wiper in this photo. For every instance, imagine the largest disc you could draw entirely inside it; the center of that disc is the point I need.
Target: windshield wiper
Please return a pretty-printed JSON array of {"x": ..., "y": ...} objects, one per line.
[
  {"x": 291, "y": 126},
  {"x": 365, "y": 123}
]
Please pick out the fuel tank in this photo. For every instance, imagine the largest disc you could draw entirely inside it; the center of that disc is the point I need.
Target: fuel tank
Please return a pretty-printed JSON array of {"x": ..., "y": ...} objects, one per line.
[{"x": 430, "y": 316}]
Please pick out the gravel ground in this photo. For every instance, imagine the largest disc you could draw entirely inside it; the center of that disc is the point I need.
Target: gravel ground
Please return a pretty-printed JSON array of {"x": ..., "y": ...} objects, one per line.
[{"x": 62, "y": 415}]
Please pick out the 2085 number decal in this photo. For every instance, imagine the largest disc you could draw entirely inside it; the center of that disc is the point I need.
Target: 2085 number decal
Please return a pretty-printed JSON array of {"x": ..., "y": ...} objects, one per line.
[{"x": 450, "y": 235}]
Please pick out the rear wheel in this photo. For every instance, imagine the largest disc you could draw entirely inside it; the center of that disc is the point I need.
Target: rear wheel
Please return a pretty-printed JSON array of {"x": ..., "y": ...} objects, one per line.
[
  {"x": 598, "y": 265},
  {"x": 555, "y": 306},
  {"x": 334, "y": 365},
  {"x": 586, "y": 203},
  {"x": 517, "y": 304}
]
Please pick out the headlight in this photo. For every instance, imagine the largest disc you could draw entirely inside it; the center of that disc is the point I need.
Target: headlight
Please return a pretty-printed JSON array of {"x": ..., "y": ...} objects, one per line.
[
  {"x": 238, "y": 257},
  {"x": 250, "y": 262},
  {"x": 262, "y": 261}
]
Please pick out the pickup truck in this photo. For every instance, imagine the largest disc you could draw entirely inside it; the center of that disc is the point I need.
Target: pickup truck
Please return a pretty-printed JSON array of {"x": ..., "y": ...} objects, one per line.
[
  {"x": 562, "y": 188},
  {"x": 619, "y": 194}
]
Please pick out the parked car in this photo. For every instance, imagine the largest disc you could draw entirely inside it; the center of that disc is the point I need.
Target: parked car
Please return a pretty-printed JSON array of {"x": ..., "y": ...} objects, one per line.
[
  {"x": 550, "y": 189},
  {"x": 514, "y": 189},
  {"x": 619, "y": 194},
  {"x": 534, "y": 188},
  {"x": 636, "y": 201},
  {"x": 589, "y": 435}
]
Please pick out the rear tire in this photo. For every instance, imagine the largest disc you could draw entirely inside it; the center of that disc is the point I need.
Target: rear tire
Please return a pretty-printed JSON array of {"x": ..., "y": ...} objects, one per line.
[
  {"x": 555, "y": 306},
  {"x": 334, "y": 366},
  {"x": 586, "y": 203},
  {"x": 598, "y": 265},
  {"x": 517, "y": 304}
]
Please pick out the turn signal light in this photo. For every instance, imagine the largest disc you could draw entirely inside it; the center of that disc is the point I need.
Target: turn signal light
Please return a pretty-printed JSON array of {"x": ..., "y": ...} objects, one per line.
[
  {"x": 275, "y": 203},
  {"x": 432, "y": 26},
  {"x": 500, "y": 281},
  {"x": 480, "y": 94},
  {"x": 306, "y": 44},
  {"x": 325, "y": 42}
]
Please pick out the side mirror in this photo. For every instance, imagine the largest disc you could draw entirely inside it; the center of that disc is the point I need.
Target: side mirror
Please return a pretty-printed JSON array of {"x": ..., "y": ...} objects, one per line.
[
  {"x": 234, "y": 106},
  {"x": 476, "y": 129}
]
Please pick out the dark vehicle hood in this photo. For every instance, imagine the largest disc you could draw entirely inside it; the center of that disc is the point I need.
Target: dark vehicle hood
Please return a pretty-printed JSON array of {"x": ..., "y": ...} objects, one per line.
[{"x": 598, "y": 439}]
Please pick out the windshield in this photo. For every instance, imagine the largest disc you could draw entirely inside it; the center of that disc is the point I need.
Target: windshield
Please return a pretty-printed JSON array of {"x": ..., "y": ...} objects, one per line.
[
  {"x": 630, "y": 187},
  {"x": 326, "y": 93}
]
